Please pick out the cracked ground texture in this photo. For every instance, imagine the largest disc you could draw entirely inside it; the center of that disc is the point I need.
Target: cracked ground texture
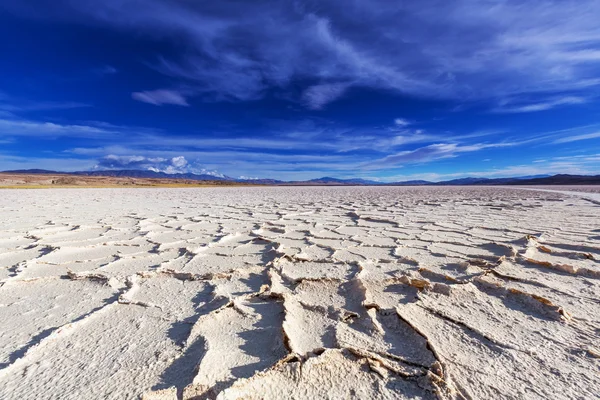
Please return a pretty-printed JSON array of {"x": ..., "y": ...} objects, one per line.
[{"x": 281, "y": 293}]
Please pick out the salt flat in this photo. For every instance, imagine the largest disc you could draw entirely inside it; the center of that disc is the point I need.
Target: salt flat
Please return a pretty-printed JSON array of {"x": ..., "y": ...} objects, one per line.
[{"x": 398, "y": 293}]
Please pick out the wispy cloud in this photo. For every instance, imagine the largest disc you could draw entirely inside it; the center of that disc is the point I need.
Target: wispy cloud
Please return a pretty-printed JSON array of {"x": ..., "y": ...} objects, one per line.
[
  {"x": 307, "y": 152},
  {"x": 160, "y": 97},
  {"x": 24, "y": 106},
  {"x": 317, "y": 96},
  {"x": 95, "y": 130},
  {"x": 576, "y": 138},
  {"x": 106, "y": 70},
  {"x": 430, "y": 153},
  {"x": 10, "y": 104},
  {"x": 232, "y": 163},
  {"x": 575, "y": 167},
  {"x": 402, "y": 122},
  {"x": 542, "y": 106},
  {"x": 461, "y": 50},
  {"x": 15, "y": 127},
  {"x": 573, "y": 134}
]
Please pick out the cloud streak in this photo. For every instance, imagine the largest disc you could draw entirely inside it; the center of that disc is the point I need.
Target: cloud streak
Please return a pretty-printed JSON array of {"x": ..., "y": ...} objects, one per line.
[
  {"x": 463, "y": 49},
  {"x": 15, "y": 105},
  {"x": 430, "y": 153},
  {"x": 161, "y": 97},
  {"x": 18, "y": 127},
  {"x": 93, "y": 130},
  {"x": 576, "y": 138},
  {"x": 543, "y": 106},
  {"x": 317, "y": 96}
]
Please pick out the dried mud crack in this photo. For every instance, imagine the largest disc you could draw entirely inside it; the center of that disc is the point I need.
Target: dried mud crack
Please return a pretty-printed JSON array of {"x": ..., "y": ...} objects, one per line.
[{"x": 283, "y": 293}]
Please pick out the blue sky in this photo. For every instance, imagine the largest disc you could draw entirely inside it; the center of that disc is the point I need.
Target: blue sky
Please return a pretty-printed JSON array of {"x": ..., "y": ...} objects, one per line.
[{"x": 387, "y": 90}]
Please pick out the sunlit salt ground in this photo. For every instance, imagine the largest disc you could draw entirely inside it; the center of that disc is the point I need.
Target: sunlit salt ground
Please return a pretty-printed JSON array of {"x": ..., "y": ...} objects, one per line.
[{"x": 451, "y": 293}]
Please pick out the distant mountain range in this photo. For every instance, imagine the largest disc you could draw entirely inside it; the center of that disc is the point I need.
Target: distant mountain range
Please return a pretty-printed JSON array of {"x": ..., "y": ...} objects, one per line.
[{"x": 562, "y": 179}]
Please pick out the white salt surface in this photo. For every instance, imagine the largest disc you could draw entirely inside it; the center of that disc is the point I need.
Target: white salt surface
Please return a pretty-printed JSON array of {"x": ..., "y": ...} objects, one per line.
[{"x": 293, "y": 293}]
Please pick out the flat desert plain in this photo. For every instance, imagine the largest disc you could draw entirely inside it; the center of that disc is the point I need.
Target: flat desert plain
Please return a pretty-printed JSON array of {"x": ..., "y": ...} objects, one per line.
[{"x": 299, "y": 293}]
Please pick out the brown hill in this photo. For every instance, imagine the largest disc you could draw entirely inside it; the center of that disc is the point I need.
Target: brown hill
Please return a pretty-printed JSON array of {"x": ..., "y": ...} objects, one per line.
[{"x": 19, "y": 180}]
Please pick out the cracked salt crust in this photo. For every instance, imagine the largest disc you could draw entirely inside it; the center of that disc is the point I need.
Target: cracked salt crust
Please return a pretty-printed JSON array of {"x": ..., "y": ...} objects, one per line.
[{"x": 230, "y": 293}]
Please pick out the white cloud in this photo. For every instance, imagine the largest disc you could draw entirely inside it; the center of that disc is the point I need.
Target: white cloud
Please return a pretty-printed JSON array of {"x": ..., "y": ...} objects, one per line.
[
  {"x": 20, "y": 127},
  {"x": 543, "y": 106},
  {"x": 96, "y": 130},
  {"x": 317, "y": 96},
  {"x": 174, "y": 165},
  {"x": 576, "y": 138},
  {"x": 430, "y": 153},
  {"x": 18, "y": 105},
  {"x": 160, "y": 97},
  {"x": 506, "y": 172},
  {"x": 239, "y": 51},
  {"x": 179, "y": 162}
]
